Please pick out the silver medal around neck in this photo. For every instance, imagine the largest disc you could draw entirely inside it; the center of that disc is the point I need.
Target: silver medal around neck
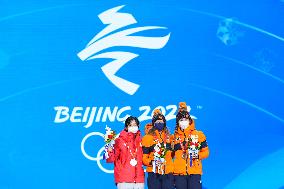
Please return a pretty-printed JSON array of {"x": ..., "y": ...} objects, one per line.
[{"x": 133, "y": 162}]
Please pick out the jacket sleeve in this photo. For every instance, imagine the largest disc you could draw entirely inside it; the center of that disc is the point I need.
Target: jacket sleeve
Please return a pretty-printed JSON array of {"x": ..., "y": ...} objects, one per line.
[
  {"x": 110, "y": 158},
  {"x": 168, "y": 156},
  {"x": 173, "y": 146},
  {"x": 114, "y": 154},
  {"x": 169, "y": 148},
  {"x": 204, "y": 151},
  {"x": 146, "y": 147}
]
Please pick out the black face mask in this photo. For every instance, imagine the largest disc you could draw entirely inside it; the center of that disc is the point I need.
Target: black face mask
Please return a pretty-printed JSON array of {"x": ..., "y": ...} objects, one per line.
[{"x": 159, "y": 126}]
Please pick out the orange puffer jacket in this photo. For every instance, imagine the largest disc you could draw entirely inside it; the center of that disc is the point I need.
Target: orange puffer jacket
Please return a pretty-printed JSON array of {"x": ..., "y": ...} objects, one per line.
[
  {"x": 149, "y": 142},
  {"x": 183, "y": 164}
]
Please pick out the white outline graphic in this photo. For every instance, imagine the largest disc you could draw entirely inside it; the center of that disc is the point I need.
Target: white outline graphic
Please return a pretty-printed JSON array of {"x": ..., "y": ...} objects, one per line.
[
  {"x": 99, "y": 157},
  {"x": 107, "y": 38}
]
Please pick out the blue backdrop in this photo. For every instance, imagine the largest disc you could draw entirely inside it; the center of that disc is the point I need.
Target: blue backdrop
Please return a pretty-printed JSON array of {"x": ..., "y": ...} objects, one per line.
[{"x": 225, "y": 59}]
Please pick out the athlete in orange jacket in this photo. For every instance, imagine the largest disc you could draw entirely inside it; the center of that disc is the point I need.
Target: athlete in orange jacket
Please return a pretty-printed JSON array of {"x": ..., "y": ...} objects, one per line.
[
  {"x": 190, "y": 147},
  {"x": 157, "y": 154}
]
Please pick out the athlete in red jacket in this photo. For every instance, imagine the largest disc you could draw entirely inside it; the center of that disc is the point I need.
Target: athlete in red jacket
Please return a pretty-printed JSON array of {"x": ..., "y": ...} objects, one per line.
[{"x": 127, "y": 157}]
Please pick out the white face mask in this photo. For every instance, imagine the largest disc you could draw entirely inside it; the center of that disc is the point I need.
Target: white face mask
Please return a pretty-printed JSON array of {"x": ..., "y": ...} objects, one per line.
[
  {"x": 184, "y": 124},
  {"x": 133, "y": 129}
]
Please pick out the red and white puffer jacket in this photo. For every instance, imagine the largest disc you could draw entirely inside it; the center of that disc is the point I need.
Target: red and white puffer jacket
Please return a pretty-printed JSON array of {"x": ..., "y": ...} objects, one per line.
[{"x": 121, "y": 157}]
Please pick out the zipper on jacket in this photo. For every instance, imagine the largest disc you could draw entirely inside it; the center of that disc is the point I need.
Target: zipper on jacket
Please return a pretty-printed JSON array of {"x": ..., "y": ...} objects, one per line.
[{"x": 186, "y": 156}]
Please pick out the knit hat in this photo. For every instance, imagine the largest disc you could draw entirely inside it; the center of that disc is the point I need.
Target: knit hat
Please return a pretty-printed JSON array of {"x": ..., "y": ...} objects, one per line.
[
  {"x": 157, "y": 115},
  {"x": 182, "y": 112},
  {"x": 182, "y": 106}
]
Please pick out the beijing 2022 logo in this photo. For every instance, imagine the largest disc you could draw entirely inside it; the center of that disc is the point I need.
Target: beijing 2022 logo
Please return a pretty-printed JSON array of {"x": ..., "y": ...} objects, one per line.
[{"x": 112, "y": 36}]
